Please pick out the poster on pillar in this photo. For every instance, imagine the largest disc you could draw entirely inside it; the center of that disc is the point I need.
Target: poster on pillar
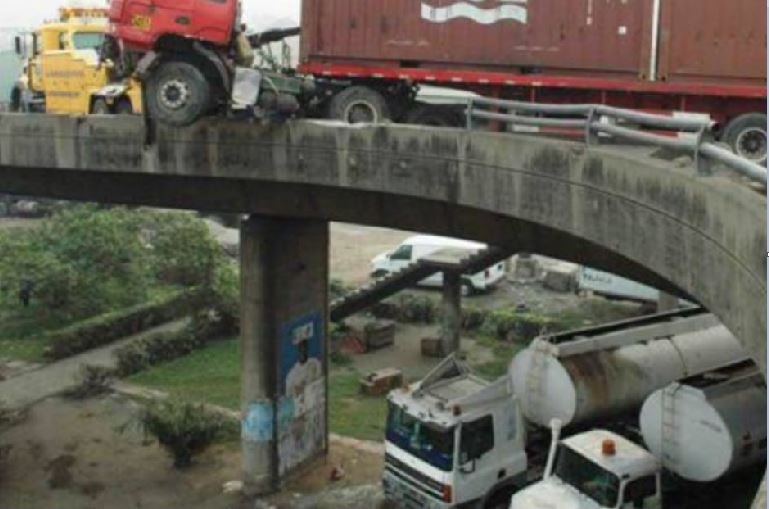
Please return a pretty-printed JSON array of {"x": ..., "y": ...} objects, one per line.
[{"x": 302, "y": 386}]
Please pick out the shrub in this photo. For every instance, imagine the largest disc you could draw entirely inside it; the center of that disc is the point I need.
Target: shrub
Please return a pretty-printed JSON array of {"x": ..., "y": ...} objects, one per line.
[
  {"x": 166, "y": 346},
  {"x": 416, "y": 309},
  {"x": 93, "y": 381},
  {"x": 340, "y": 358},
  {"x": 183, "y": 429},
  {"x": 82, "y": 261},
  {"x": 183, "y": 251},
  {"x": 106, "y": 328},
  {"x": 511, "y": 325},
  {"x": 473, "y": 318}
]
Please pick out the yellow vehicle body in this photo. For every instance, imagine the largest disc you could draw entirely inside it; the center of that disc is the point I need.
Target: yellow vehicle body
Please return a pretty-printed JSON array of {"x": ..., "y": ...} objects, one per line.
[{"x": 65, "y": 69}]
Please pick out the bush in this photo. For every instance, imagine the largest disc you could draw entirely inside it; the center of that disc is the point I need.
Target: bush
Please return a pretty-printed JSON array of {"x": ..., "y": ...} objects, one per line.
[
  {"x": 183, "y": 251},
  {"x": 473, "y": 318},
  {"x": 183, "y": 429},
  {"x": 511, "y": 325},
  {"x": 416, "y": 309},
  {"x": 104, "y": 329},
  {"x": 166, "y": 346},
  {"x": 83, "y": 261},
  {"x": 93, "y": 381}
]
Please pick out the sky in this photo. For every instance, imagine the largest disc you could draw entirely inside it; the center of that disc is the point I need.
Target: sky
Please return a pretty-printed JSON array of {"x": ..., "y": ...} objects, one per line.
[{"x": 31, "y": 12}]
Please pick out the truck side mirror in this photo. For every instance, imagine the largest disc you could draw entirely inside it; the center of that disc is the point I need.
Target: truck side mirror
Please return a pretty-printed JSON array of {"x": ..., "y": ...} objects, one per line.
[{"x": 17, "y": 44}]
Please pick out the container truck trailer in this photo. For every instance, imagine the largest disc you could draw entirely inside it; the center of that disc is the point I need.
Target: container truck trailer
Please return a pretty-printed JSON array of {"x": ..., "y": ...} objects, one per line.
[
  {"x": 676, "y": 56},
  {"x": 454, "y": 440},
  {"x": 698, "y": 431}
]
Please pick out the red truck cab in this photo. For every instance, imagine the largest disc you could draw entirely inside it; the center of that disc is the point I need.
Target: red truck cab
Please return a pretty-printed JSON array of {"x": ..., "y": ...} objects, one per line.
[{"x": 140, "y": 24}]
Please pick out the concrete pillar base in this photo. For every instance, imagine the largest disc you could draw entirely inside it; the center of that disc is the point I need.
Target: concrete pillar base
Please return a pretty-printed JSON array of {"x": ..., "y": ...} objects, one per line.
[{"x": 284, "y": 309}]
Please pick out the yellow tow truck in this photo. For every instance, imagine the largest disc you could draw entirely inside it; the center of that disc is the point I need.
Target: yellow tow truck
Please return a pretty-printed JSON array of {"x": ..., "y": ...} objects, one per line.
[{"x": 63, "y": 70}]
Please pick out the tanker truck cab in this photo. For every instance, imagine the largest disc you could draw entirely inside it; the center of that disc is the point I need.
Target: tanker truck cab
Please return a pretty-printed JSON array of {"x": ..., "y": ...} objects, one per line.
[
  {"x": 596, "y": 469},
  {"x": 450, "y": 438}
]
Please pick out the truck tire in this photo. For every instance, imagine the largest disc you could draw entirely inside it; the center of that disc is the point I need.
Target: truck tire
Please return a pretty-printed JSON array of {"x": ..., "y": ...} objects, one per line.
[
  {"x": 356, "y": 105},
  {"x": 746, "y": 135},
  {"x": 437, "y": 116},
  {"x": 178, "y": 93},
  {"x": 100, "y": 107}
]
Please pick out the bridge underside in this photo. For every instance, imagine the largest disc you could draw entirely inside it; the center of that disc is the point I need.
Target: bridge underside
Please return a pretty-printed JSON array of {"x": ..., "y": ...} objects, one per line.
[{"x": 613, "y": 208}]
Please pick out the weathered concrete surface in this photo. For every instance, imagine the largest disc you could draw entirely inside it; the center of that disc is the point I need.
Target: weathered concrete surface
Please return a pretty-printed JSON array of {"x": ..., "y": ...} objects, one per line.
[
  {"x": 284, "y": 309},
  {"x": 611, "y": 208}
]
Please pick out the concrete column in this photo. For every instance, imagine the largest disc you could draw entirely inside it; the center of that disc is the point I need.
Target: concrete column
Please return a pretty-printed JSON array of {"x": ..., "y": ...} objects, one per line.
[
  {"x": 452, "y": 312},
  {"x": 284, "y": 309}
]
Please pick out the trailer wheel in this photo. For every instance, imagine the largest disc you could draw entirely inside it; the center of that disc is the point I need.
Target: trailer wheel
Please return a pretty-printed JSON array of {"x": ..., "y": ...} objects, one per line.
[
  {"x": 100, "y": 107},
  {"x": 746, "y": 135},
  {"x": 178, "y": 93},
  {"x": 124, "y": 107},
  {"x": 356, "y": 105}
]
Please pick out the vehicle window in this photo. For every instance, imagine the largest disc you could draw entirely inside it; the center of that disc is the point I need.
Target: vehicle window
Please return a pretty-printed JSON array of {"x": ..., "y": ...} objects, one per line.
[
  {"x": 402, "y": 253},
  {"x": 87, "y": 40},
  {"x": 587, "y": 477},
  {"x": 432, "y": 444},
  {"x": 641, "y": 489},
  {"x": 477, "y": 439}
]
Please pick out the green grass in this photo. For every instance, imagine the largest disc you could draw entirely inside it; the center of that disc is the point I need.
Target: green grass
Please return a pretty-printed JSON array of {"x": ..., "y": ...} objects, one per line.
[
  {"x": 502, "y": 352},
  {"x": 212, "y": 375}
]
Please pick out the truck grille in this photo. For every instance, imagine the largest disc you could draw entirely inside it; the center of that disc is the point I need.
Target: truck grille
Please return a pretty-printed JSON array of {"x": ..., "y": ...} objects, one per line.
[{"x": 414, "y": 478}]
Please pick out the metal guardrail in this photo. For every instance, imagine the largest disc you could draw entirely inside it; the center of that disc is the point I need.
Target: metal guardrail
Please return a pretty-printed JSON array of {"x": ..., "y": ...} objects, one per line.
[{"x": 590, "y": 118}]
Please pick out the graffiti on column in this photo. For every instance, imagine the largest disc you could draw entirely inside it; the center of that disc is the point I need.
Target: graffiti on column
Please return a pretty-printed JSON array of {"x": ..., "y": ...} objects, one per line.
[{"x": 302, "y": 386}]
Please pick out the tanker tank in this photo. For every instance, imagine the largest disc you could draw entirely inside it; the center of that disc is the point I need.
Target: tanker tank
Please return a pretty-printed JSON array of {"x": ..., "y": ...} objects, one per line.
[
  {"x": 708, "y": 426},
  {"x": 582, "y": 376}
]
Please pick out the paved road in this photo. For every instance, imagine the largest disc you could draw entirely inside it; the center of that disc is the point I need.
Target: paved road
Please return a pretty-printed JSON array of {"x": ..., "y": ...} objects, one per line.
[{"x": 56, "y": 377}]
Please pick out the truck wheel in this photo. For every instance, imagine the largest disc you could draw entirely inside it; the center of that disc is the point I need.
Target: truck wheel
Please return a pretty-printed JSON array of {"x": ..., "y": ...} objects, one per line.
[
  {"x": 438, "y": 116},
  {"x": 124, "y": 107},
  {"x": 746, "y": 135},
  {"x": 178, "y": 94},
  {"x": 356, "y": 105},
  {"x": 100, "y": 107}
]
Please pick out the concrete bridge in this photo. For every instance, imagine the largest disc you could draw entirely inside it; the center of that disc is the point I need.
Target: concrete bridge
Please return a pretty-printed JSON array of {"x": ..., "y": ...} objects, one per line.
[{"x": 618, "y": 208}]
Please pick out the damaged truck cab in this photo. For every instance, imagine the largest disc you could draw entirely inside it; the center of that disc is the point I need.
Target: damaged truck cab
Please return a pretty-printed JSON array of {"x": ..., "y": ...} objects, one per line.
[{"x": 193, "y": 57}]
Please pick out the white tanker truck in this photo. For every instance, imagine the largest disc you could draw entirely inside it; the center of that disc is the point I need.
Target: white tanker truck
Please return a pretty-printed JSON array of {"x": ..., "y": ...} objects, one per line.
[
  {"x": 454, "y": 440},
  {"x": 698, "y": 430}
]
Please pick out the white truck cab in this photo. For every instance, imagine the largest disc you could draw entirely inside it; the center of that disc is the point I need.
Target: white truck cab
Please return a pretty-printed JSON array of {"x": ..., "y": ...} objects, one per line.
[
  {"x": 449, "y": 438},
  {"x": 597, "y": 469},
  {"x": 417, "y": 247}
]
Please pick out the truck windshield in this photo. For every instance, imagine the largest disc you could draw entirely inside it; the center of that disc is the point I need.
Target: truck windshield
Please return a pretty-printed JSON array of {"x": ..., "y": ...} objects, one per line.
[
  {"x": 427, "y": 442},
  {"x": 87, "y": 40},
  {"x": 587, "y": 477}
]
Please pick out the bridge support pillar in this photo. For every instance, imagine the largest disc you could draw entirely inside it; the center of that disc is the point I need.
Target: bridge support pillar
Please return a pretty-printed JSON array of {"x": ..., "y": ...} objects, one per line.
[
  {"x": 284, "y": 310},
  {"x": 452, "y": 312}
]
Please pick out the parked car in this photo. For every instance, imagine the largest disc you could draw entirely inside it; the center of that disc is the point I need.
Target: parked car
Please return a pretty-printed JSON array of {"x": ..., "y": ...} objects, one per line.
[{"x": 421, "y": 246}]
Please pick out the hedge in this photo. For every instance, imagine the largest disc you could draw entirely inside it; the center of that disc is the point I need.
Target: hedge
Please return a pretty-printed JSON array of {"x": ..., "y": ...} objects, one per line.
[
  {"x": 109, "y": 327},
  {"x": 167, "y": 346}
]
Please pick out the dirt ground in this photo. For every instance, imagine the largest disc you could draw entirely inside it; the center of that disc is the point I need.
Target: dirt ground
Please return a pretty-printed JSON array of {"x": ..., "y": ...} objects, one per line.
[
  {"x": 74, "y": 455},
  {"x": 353, "y": 247}
]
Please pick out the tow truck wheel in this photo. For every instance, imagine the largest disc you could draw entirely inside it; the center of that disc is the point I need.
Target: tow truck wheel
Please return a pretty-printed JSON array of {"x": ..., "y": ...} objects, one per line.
[
  {"x": 357, "y": 105},
  {"x": 746, "y": 135},
  {"x": 100, "y": 107},
  {"x": 178, "y": 93}
]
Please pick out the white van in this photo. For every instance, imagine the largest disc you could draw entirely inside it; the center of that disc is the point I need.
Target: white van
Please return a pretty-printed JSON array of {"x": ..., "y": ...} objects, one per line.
[
  {"x": 618, "y": 287},
  {"x": 420, "y": 246}
]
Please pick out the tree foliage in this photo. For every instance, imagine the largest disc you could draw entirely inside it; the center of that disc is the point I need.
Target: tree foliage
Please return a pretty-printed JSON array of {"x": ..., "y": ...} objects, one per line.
[{"x": 87, "y": 260}]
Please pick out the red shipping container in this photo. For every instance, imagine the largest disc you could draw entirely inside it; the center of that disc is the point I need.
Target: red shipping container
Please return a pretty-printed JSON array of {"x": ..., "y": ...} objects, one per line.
[{"x": 700, "y": 40}]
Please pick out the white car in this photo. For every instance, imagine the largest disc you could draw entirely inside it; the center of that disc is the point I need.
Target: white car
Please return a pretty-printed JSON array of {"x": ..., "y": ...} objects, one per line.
[{"x": 420, "y": 246}]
